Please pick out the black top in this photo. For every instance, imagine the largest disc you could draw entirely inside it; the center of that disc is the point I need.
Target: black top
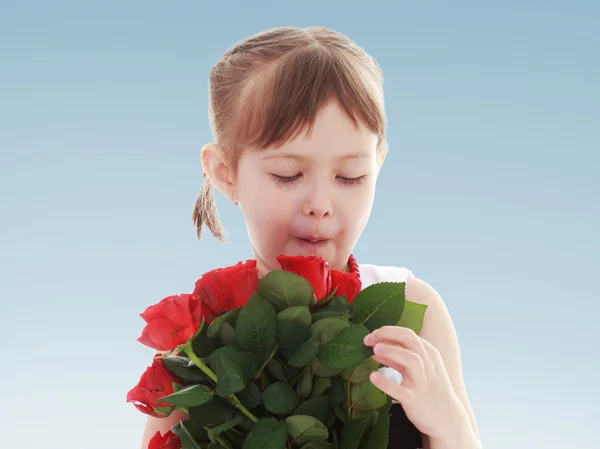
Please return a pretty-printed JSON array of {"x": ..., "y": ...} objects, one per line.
[{"x": 403, "y": 434}]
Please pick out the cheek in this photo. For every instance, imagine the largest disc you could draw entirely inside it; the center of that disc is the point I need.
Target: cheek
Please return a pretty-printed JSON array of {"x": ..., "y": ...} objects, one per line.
[
  {"x": 356, "y": 209},
  {"x": 267, "y": 212}
]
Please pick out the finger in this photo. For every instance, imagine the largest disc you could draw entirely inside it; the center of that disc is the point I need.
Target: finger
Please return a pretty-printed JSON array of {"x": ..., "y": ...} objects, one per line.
[
  {"x": 398, "y": 392},
  {"x": 397, "y": 335},
  {"x": 431, "y": 349},
  {"x": 401, "y": 359}
]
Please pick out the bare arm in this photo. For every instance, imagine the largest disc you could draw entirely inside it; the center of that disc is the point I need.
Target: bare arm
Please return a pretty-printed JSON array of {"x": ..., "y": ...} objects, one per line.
[{"x": 439, "y": 330}]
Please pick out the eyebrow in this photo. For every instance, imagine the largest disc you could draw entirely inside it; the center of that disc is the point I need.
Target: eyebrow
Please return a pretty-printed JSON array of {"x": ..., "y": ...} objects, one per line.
[{"x": 298, "y": 157}]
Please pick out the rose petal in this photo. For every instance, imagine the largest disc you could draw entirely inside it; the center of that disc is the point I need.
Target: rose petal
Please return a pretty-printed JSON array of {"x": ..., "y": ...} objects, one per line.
[{"x": 313, "y": 268}]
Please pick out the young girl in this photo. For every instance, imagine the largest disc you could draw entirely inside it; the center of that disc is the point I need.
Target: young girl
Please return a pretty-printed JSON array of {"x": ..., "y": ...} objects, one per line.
[{"x": 299, "y": 128}]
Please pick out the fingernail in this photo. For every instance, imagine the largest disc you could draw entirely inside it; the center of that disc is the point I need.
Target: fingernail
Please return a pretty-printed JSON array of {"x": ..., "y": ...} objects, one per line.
[
  {"x": 367, "y": 339},
  {"x": 378, "y": 347},
  {"x": 375, "y": 377}
]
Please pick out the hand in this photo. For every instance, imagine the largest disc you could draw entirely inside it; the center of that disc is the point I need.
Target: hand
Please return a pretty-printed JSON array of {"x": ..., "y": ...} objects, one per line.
[{"x": 425, "y": 393}]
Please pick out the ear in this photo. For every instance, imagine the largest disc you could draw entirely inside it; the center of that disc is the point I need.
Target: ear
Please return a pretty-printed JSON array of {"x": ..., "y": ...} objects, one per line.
[{"x": 218, "y": 172}]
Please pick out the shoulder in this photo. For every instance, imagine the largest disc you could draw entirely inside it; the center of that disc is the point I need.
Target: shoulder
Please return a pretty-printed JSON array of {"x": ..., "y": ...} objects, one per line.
[
  {"x": 437, "y": 318},
  {"x": 421, "y": 292},
  {"x": 417, "y": 290},
  {"x": 438, "y": 327}
]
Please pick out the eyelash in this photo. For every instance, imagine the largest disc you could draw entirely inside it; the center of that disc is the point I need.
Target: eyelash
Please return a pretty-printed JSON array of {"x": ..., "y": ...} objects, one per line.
[{"x": 291, "y": 179}]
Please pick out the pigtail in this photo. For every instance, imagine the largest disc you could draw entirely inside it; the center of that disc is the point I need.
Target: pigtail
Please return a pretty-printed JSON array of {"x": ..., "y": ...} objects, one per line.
[{"x": 205, "y": 212}]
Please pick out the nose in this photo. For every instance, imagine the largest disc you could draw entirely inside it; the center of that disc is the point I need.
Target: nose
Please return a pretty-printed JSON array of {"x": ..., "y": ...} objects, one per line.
[{"x": 318, "y": 202}]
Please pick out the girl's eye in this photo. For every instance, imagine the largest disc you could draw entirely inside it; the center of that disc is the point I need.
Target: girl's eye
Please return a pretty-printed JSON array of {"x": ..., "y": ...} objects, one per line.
[
  {"x": 357, "y": 180},
  {"x": 291, "y": 179},
  {"x": 285, "y": 179}
]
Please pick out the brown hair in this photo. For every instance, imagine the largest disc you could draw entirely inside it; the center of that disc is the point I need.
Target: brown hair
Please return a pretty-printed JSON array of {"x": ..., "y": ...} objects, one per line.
[{"x": 268, "y": 88}]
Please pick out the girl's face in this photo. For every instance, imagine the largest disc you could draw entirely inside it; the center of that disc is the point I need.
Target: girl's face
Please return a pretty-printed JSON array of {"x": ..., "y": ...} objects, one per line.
[{"x": 311, "y": 196}]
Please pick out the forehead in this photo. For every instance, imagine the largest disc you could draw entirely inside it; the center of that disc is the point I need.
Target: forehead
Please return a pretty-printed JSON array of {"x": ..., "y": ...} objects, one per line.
[{"x": 333, "y": 134}]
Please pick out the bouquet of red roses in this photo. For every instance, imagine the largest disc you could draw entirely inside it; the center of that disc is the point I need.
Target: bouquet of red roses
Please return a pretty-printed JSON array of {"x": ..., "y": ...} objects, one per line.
[{"x": 271, "y": 363}]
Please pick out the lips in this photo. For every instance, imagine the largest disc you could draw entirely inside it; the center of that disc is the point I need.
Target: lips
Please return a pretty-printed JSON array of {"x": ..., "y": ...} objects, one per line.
[
  {"x": 314, "y": 240},
  {"x": 313, "y": 244}
]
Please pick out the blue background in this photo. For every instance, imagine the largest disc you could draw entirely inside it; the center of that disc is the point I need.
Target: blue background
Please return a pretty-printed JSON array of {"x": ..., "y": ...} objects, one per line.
[{"x": 490, "y": 193}]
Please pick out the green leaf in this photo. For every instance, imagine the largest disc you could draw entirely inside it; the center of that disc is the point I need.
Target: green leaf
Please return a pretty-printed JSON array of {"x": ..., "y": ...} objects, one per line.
[
  {"x": 197, "y": 431},
  {"x": 317, "y": 407},
  {"x": 213, "y": 413},
  {"x": 292, "y": 329},
  {"x": 361, "y": 372},
  {"x": 370, "y": 415},
  {"x": 234, "y": 369},
  {"x": 256, "y": 324},
  {"x": 266, "y": 358},
  {"x": 367, "y": 396},
  {"x": 323, "y": 371},
  {"x": 187, "y": 440},
  {"x": 378, "y": 436},
  {"x": 307, "y": 353},
  {"x": 320, "y": 384},
  {"x": 250, "y": 396},
  {"x": 306, "y": 429},
  {"x": 214, "y": 329},
  {"x": 330, "y": 314},
  {"x": 267, "y": 433},
  {"x": 166, "y": 410},
  {"x": 346, "y": 349},
  {"x": 228, "y": 335},
  {"x": 319, "y": 445},
  {"x": 337, "y": 392},
  {"x": 203, "y": 345},
  {"x": 284, "y": 289},
  {"x": 184, "y": 368},
  {"x": 280, "y": 398},
  {"x": 297, "y": 314},
  {"x": 189, "y": 396},
  {"x": 341, "y": 413},
  {"x": 379, "y": 305},
  {"x": 216, "y": 431},
  {"x": 305, "y": 384},
  {"x": 277, "y": 370},
  {"x": 337, "y": 307},
  {"x": 353, "y": 432},
  {"x": 327, "y": 328},
  {"x": 413, "y": 316}
]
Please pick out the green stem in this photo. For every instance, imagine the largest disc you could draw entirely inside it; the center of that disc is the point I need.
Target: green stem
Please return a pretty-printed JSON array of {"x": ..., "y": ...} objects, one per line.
[
  {"x": 236, "y": 403},
  {"x": 206, "y": 370},
  {"x": 223, "y": 443}
]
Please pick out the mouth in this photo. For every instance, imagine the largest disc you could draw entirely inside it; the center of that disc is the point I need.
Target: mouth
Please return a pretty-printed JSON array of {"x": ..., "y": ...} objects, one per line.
[{"x": 313, "y": 241}]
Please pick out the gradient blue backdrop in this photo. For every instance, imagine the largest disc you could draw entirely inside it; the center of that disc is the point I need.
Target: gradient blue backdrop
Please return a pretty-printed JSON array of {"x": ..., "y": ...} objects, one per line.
[{"x": 490, "y": 193}]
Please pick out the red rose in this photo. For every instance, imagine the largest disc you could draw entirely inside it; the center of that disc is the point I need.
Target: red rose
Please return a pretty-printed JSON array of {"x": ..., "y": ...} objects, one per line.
[
  {"x": 348, "y": 284},
  {"x": 155, "y": 383},
  {"x": 227, "y": 288},
  {"x": 171, "y": 322},
  {"x": 167, "y": 441},
  {"x": 312, "y": 268}
]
